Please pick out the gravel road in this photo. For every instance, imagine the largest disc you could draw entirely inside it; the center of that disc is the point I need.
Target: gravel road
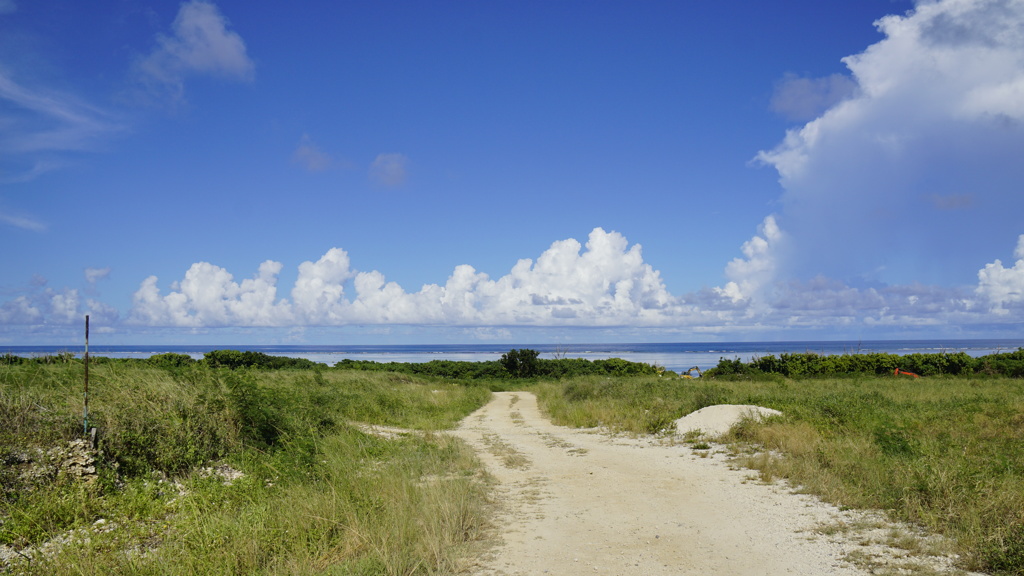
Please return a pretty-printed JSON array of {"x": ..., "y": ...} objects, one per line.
[{"x": 586, "y": 502}]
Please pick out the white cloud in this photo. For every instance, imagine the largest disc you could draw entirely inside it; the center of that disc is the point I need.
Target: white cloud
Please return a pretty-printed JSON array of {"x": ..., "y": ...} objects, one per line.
[
  {"x": 607, "y": 283},
  {"x": 94, "y": 275},
  {"x": 64, "y": 306},
  {"x": 750, "y": 276},
  {"x": 43, "y": 306},
  {"x": 101, "y": 314},
  {"x": 22, "y": 222},
  {"x": 209, "y": 296},
  {"x": 928, "y": 144},
  {"x": 1001, "y": 286},
  {"x": 319, "y": 291},
  {"x": 201, "y": 44},
  {"x": 310, "y": 156},
  {"x": 602, "y": 284},
  {"x": 389, "y": 170},
  {"x": 21, "y": 310}
]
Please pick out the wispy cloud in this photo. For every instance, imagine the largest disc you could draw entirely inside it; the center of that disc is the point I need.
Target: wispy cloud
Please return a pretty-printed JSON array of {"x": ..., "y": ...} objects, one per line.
[
  {"x": 311, "y": 157},
  {"x": 201, "y": 43},
  {"x": 94, "y": 275},
  {"x": 389, "y": 170},
  {"x": 22, "y": 222},
  {"x": 42, "y": 125}
]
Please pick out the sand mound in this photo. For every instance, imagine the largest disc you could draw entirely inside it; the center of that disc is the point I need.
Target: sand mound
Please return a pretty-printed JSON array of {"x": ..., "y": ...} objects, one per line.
[{"x": 716, "y": 420}]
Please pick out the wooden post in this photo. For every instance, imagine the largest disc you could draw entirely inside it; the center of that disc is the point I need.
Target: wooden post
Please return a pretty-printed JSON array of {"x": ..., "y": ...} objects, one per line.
[{"x": 85, "y": 409}]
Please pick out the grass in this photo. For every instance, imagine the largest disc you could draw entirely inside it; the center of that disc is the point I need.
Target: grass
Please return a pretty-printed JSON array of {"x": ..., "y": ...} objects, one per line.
[
  {"x": 314, "y": 496},
  {"x": 318, "y": 496},
  {"x": 509, "y": 456},
  {"x": 945, "y": 453}
]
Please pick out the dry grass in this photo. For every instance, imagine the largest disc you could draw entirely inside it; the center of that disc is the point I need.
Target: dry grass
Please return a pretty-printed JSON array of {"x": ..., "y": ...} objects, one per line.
[{"x": 944, "y": 453}]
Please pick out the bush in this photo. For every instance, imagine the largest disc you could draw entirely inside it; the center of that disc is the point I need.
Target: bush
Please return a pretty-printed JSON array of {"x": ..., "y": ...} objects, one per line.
[
  {"x": 810, "y": 365},
  {"x": 520, "y": 363},
  {"x": 515, "y": 364},
  {"x": 735, "y": 367},
  {"x": 171, "y": 360},
  {"x": 236, "y": 359}
]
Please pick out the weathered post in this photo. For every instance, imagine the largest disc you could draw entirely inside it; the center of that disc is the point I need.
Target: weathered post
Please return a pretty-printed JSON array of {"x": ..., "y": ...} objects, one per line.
[{"x": 85, "y": 408}]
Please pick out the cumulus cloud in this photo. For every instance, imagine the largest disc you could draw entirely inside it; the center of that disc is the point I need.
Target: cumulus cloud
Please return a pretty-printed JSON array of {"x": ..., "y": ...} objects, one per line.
[
  {"x": 201, "y": 43},
  {"x": 209, "y": 296},
  {"x": 21, "y": 310},
  {"x": 604, "y": 283},
  {"x": 1001, "y": 287},
  {"x": 880, "y": 185},
  {"x": 320, "y": 289},
  {"x": 46, "y": 306},
  {"x": 749, "y": 276},
  {"x": 389, "y": 170}
]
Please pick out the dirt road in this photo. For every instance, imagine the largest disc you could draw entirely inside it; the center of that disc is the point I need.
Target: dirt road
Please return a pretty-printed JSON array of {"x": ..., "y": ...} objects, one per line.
[{"x": 582, "y": 502}]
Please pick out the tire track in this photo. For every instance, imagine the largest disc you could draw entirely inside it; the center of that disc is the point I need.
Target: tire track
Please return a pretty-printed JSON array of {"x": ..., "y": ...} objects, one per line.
[{"x": 583, "y": 502}]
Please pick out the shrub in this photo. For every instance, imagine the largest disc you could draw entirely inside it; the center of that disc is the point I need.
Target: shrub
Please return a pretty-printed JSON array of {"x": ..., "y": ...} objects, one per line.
[
  {"x": 171, "y": 360},
  {"x": 236, "y": 359},
  {"x": 810, "y": 365},
  {"x": 520, "y": 363}
]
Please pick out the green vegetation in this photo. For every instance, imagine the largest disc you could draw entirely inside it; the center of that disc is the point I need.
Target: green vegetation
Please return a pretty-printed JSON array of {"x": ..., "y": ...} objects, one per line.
[
  {"x": 232, "y": 467},
  {"x": 244, "y": 463},
  {"x": 1010, "y": 364},
  {"x": 516, "y": 364},
  {"x": 946, "y": 453},
  {"x": 521, "y": 363}
]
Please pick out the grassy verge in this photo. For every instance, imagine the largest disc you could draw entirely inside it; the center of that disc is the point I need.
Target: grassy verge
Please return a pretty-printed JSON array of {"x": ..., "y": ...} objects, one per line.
[
  {"x": 217, "y": 471},
  {"x": 946, "y": 453}
]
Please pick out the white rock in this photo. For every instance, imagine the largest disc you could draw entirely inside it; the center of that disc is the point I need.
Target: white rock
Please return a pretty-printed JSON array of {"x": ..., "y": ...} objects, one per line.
[{"x": 717, "y": 420}]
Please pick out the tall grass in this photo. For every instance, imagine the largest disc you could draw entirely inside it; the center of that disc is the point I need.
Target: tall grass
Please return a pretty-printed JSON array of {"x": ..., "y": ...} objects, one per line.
[
  {"x": 946, "y": 453},
  {"x": 317, "y": 495}
]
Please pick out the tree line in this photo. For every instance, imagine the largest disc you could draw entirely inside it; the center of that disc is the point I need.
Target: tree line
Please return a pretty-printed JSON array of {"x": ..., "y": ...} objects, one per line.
[
  {"x": 515, "y": 364},
  {"x": 810, "y": 365}
]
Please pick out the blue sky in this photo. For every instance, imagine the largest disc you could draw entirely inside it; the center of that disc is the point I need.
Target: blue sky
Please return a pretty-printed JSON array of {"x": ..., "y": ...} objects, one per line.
[{"x": 416, "y": 172}]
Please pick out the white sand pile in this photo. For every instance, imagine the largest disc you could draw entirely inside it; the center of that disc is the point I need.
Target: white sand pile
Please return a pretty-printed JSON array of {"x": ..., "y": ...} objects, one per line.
[{"x": 717, "y": 420}]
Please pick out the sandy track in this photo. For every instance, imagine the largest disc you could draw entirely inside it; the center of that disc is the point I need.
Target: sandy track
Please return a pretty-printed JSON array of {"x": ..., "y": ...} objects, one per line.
[{"x": 580, "y": 502}]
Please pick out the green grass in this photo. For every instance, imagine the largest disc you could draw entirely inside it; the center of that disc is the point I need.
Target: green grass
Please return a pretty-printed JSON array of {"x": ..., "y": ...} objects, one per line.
[
  {"x": 317, "y": 496},
  {"x": 320, "y": 497},
  {"x": 946, "y": 453}
]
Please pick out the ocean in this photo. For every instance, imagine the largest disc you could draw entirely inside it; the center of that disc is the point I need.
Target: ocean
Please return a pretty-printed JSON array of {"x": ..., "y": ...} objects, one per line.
[{"x": 677, "y": 356}]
